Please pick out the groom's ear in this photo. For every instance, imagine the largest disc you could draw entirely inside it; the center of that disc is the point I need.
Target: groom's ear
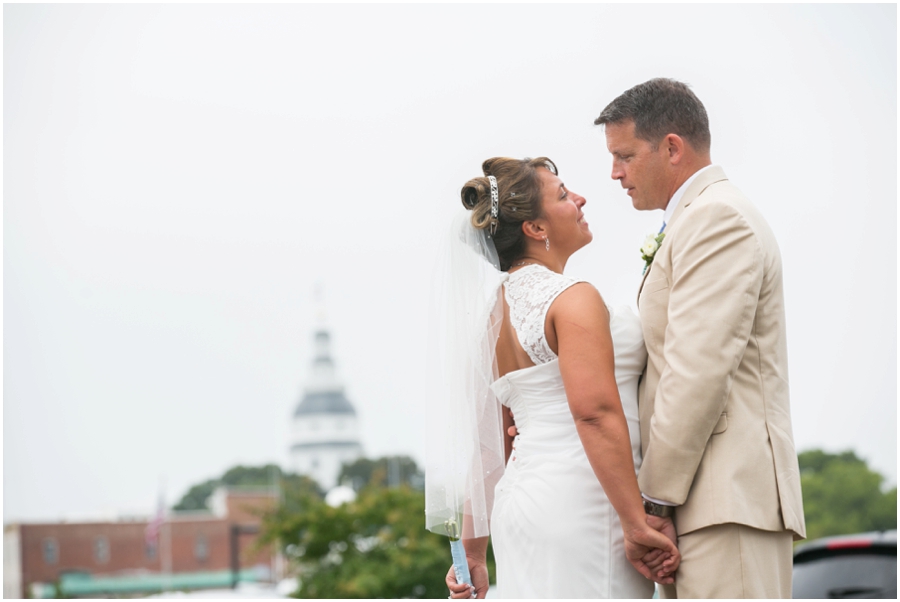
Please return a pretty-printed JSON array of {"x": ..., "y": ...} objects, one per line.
[{"x": 674, "y": 145}]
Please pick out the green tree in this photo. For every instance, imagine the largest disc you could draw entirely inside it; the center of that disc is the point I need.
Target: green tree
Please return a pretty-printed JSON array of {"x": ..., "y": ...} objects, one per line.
[
  {"x": 373, "y": 547},
  {"x": 842, "y": 495},
  {"x": 389, "y": 470},
  {"x": 197, "y": 497}
]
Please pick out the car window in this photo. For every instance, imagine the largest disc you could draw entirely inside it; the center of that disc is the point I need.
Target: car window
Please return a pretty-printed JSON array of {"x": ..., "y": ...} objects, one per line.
[{"x": 856, "y": 576}]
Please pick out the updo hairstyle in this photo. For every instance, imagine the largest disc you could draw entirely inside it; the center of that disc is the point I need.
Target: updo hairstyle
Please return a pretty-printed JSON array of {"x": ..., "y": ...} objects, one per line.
[{"x": 519, "y": 188}]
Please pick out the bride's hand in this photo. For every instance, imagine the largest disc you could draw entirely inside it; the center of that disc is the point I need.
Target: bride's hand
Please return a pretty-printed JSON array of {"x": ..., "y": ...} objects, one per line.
[
  {"x": 479, "y": 574},
  {"x": 655, "y": 561},
  {"x": 640, "y": 540}
]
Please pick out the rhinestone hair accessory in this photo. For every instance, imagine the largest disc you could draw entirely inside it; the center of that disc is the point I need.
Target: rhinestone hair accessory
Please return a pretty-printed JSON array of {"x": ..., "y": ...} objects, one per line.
[{"x": 495, "y": 204}]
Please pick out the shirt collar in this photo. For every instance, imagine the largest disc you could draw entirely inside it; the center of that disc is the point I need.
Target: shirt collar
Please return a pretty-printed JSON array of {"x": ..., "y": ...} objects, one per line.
[{"x": 676, "y": 198}]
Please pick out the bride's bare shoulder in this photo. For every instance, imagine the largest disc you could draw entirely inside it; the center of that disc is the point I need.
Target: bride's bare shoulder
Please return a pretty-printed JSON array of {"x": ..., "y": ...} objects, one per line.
[
  {"x": 580, "y": 303},
  {"x": 579, "y": 294}
]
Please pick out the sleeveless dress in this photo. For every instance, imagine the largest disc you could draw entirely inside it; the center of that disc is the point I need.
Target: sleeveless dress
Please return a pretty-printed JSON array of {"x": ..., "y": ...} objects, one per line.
[{"x": 555, "y": 533}]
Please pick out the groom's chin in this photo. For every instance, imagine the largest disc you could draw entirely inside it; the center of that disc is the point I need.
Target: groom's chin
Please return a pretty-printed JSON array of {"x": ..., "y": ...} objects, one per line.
[{"x": 637, "y": 204}]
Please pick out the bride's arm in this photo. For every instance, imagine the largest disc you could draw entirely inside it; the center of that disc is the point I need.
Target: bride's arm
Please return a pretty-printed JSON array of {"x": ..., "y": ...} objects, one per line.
[{"x": 578, "y": 326}]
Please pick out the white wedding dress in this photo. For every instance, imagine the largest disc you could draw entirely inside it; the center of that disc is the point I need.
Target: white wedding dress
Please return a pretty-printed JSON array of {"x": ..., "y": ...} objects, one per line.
[{"x": 555, "y": 533}]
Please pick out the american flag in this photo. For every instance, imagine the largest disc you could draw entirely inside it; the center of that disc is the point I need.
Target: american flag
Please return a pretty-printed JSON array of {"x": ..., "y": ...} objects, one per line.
[{"x": 151, "y": 532}]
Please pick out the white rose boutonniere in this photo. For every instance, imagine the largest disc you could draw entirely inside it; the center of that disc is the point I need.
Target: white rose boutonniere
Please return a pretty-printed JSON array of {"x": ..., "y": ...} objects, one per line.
[{"x": 650, "y": 247}]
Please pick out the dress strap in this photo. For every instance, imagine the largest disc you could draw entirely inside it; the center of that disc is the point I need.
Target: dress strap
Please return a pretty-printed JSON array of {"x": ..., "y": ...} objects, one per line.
[{"x": 530, "y": 292}]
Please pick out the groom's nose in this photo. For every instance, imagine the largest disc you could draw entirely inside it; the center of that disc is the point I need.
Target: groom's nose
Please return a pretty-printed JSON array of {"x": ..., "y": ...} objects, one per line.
[{"x": 617, "y": 171}]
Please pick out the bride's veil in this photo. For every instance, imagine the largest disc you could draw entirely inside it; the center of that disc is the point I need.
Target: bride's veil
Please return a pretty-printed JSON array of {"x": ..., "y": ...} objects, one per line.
[{"x": 465, "y": 456}]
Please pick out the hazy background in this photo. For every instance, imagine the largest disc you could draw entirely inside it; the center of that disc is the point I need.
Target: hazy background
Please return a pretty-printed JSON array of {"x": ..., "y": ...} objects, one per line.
[{"x": 177, "y": 179}]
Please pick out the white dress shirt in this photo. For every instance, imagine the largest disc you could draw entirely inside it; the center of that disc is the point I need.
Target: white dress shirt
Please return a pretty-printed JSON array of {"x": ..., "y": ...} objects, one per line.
[{"x": 676, "y": 198}]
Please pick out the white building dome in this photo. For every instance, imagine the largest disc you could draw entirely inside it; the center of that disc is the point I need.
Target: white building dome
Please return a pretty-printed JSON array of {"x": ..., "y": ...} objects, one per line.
[{"x": 325, "y": 433}]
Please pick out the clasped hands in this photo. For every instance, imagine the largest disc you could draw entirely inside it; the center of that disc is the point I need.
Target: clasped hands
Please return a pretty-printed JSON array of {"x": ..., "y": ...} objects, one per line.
[
  {"x": 642, "y": 548},
  {"x": 652, "y": 556}
]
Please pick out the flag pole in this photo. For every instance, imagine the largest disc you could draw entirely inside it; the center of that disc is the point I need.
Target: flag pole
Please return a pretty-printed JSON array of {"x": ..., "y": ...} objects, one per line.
[
  {"x": 167, "y": 555},
  {"x": 166, "y": 544}
]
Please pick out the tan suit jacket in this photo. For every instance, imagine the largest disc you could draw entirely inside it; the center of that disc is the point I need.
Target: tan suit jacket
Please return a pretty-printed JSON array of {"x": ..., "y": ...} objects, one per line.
[{"x": 714, "y": 403}]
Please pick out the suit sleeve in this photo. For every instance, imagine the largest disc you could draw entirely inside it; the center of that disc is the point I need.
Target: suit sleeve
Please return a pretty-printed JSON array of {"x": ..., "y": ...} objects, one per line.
[{"x": 717, "y": 274}]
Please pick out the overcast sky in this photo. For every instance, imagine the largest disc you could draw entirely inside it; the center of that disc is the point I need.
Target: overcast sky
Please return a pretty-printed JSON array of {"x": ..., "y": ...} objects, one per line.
[{"x": 178, "y": 178}]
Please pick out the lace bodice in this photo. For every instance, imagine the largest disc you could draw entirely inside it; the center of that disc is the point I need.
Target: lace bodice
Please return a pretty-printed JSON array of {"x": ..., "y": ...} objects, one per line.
[{"x": 529, "y": 293}]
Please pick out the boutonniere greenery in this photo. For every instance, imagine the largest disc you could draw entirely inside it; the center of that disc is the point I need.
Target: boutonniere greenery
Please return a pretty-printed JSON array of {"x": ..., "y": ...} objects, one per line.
[{"x": 650, "y": 247}]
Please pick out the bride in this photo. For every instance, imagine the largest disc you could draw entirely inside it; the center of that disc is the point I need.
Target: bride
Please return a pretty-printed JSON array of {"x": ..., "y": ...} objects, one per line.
[{"x": 566, "y": 515}]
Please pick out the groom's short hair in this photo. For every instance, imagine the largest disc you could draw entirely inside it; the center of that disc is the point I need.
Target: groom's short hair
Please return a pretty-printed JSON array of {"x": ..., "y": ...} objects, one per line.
[{"x": 660, "y": 107}]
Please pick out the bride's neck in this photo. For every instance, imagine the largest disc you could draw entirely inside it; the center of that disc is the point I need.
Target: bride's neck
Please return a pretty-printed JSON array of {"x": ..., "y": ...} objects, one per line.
[{"x": 552, "y": 263}]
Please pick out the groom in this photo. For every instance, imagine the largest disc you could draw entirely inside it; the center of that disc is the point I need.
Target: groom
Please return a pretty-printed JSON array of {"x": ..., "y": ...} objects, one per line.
[{"x": 715, "y": 417}]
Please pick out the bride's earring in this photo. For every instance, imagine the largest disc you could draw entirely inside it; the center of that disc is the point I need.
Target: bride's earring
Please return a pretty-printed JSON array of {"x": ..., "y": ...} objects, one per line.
[{"x": 547, "y": 243}]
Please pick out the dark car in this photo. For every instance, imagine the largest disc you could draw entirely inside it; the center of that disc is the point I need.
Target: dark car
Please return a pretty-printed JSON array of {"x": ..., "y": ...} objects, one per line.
[{"x": 847, "y": 566}]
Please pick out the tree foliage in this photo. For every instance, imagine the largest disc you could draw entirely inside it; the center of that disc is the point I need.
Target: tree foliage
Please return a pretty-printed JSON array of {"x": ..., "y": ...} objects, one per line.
[
  {"x": 387, "y": 471},
  {"x": 373, "y": 547},
  {"x": 842, "y": 495},
  {"x": 197, "y": 497}
]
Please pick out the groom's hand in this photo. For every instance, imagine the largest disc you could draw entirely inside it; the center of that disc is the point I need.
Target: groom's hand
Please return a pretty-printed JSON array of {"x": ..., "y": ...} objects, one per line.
[
  {"x": 664, "y": 526},
  {"x": 656, "y": 559}
]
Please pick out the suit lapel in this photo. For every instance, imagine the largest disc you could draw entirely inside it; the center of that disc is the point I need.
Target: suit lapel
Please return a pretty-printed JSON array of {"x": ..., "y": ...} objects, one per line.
[
  {"x": 707, "y": 178},
  {"x": 643, "y": 280}
]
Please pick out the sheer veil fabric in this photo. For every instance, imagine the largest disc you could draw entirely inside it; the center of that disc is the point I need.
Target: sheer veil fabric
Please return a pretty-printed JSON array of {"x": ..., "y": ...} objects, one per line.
[{"x": 464, "y": 430}]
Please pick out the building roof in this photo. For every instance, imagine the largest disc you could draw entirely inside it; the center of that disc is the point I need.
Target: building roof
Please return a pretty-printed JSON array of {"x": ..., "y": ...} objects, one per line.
[
  {"x": 324, "y": 402},
  {"x": 324, "y": 392},
  {"x": 83, "y": 584}
]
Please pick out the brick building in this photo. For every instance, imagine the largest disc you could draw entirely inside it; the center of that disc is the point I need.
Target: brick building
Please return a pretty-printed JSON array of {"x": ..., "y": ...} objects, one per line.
[{"x": 116, "y": 558}]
